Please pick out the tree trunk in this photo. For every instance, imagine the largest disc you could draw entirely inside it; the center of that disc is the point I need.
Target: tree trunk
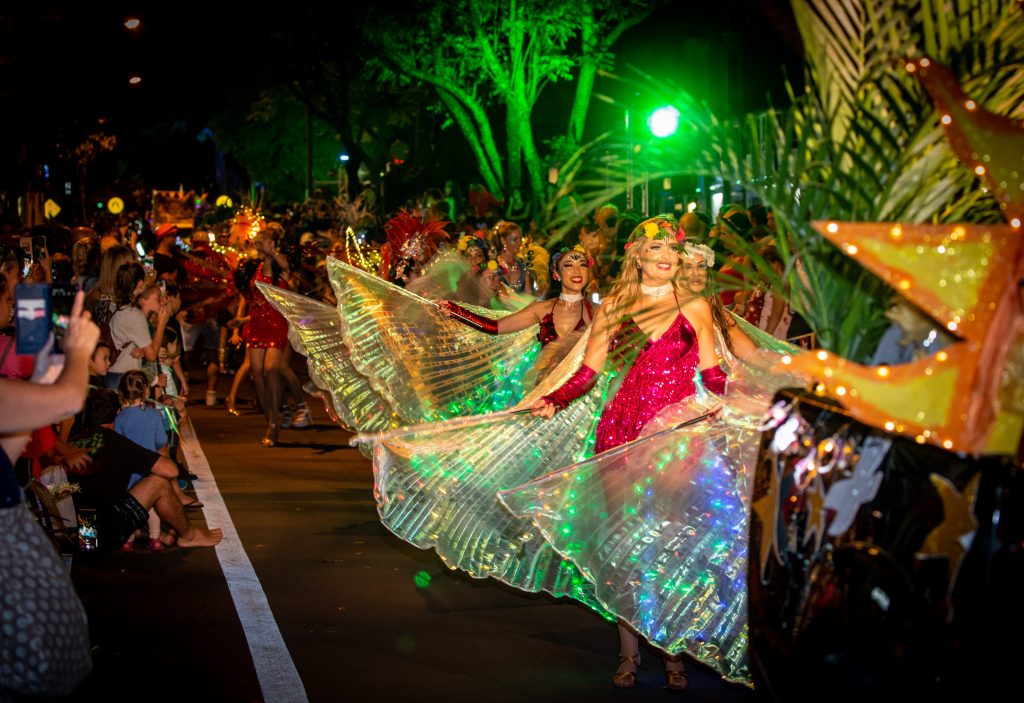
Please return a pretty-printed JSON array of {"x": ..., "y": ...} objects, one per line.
[
  {"x": 514, "y": 145},
  {"x": 585, "y": 82},
  {"x": 489, "y": 168}
]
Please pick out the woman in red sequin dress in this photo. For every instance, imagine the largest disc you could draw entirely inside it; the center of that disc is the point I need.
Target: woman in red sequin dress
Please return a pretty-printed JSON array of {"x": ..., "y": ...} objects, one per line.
[
  {"x": 656, "y": 334},
  {"x": 267, "y": 332}
]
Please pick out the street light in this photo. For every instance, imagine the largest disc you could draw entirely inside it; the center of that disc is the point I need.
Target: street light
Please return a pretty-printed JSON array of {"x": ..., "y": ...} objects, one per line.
[{"x": 664, "y": 122}]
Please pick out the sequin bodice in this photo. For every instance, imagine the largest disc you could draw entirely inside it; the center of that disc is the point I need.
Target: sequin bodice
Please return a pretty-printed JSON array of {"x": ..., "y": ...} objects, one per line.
[
  {"x": 548, "y": 333},
  {"x": 267, "y": 327},
  {"x": 661, "y": 374}
]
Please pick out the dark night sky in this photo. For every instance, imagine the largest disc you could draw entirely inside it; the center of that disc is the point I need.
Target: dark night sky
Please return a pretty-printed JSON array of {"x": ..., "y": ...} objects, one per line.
[{"x": 62, "y": 69}]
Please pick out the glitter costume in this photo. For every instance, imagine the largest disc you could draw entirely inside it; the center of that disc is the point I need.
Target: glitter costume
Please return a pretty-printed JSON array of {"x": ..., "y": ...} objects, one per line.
[
  {"x": 517, "y": 284},
  {"x": 661, "y": 374},
  {"x": 547, "y": 332},
  {"x": 267, "y": 327},
  {"x": 658, "y": 525}
]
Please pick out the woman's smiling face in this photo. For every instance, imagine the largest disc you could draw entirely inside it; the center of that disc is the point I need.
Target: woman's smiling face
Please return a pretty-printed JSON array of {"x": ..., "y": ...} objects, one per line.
[{"x": 659, "y": 261}]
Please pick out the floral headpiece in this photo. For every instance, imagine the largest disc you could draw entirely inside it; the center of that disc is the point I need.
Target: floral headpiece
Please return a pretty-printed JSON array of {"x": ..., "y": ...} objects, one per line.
[
  {"x": 565, "y": 249},
  {"x": 472, "y": 240},
  {"x": 660, "y": 227},
  {"x": 691, "y": 249}
]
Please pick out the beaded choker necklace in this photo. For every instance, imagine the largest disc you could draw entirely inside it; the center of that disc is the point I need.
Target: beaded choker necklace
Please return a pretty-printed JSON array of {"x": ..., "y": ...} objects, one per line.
[
  {"x": 656, "y": 291},
  {"x": 570, "y": 298}
]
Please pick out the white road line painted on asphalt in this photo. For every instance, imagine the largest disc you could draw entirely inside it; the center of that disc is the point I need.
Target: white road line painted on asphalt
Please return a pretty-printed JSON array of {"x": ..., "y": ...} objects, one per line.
[{"x": 275, "y": 669}]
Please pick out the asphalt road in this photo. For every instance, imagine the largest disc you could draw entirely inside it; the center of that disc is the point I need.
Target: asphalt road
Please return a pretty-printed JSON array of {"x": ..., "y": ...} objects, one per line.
[{"x": 359, "y": 612}]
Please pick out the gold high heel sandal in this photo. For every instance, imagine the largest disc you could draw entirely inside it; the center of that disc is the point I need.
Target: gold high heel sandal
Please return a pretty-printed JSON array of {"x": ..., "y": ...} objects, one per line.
[
  {"x": 626, "y": 679},
  {"x": 270, "y": 439},
  {"x": 230, "y": 403}
]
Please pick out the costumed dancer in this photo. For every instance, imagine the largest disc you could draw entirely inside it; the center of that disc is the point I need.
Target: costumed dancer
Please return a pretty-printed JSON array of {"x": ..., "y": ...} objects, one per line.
[
  {"x": 658, "y": 524},
  {"x": 267, "y": 334},
  {"x": 561, "y": 317},
  {"x": 657, "y": 335},
  {"x": 388, "y": 357},
  {"x": 411, "y": 244},
  {"x": 506, "y": 239}
]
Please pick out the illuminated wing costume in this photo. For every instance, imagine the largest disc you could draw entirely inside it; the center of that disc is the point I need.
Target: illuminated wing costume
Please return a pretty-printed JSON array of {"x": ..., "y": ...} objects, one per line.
[
  {"x": 388, "y": 357},
  {"x": 658, "y": 525}
]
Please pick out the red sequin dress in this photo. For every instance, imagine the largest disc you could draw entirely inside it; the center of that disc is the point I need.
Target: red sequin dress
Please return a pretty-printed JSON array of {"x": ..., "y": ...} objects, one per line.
[
  {"x": 267, "y": 327},
  {"x": 661, "y": 374}
]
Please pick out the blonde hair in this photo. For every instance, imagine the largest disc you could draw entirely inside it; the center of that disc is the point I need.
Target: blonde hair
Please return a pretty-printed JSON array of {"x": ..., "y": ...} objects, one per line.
[
  {"x": 625, "y": 290},
  {"x": 501, "y": 230},
  {"x": 112, "y": 260}
]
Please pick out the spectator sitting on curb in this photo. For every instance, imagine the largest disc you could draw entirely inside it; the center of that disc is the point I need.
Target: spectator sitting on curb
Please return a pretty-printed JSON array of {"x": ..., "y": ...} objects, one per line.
[{"x": 103, "y": 487}]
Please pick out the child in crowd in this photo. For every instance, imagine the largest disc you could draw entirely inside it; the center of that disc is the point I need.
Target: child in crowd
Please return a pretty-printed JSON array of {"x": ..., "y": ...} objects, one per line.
[
  {"x": 144, "y": 425},
  {"x": 169, "y": 394},
  {"x": 99, "y": 364}
]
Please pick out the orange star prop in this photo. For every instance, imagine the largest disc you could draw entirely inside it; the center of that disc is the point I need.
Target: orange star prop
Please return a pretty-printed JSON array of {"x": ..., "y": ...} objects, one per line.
[
  {"x": 960, "y": 275},
  {"x": 966, "y": 277}
]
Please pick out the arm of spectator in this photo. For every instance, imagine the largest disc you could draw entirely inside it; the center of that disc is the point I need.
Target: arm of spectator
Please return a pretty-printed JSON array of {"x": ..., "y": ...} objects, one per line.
[
  {"x": 182, "y": 376},
  {"x": 151, "y": 352},
  {"x": 76, "y": 459},
  {"x": 30, "y": 405}
]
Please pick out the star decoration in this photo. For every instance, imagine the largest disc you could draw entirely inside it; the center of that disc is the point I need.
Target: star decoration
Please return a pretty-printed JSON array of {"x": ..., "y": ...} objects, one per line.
[
  {"x": 952, "y": 538},
  {"x": 815, "y": 512},
  {"x": 767, "y": 510},
  {"x": 963, "y": 276},
  {"x": 987, "y": 143}
]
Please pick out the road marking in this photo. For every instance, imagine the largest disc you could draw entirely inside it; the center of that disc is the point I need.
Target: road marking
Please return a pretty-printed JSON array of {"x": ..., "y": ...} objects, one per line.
[{"x": 278, "y": 677}]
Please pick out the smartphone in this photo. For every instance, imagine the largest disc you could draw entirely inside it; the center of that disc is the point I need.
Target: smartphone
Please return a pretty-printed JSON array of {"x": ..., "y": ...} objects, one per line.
[
  {"x": 38, "y": 248},
  {"x": 42, "y": 308},
  {"x": 26, "y": 245},
  {"x": 62, "y": 299},
  {"x": 32, "y": 307},
  {"x": 147, "y": 264}
]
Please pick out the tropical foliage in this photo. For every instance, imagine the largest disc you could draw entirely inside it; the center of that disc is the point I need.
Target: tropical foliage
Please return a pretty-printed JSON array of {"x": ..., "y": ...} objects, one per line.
[
  {"x": 479, "y": 56},
  {"x": 863, "y": 143}
]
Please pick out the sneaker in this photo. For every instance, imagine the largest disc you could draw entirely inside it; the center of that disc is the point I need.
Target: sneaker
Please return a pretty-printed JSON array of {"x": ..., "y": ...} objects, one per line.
[
  {"x": 211, "y": 398},
  {"x": 286, "y": 416},
  {"x": 302, "y": 417}
]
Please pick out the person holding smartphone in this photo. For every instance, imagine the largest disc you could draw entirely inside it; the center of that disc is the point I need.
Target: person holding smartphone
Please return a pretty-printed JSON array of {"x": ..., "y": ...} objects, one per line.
[
  {"x": 47, "y": 654},
  {"x": 129, "y": 328}
]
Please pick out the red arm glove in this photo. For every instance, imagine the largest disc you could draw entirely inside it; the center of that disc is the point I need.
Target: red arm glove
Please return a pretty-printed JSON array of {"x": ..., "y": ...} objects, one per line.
[
  {"x": 578, "y": 384},
  {"x": 477, "y": 322},
  {"x": 714, "y": 379}
]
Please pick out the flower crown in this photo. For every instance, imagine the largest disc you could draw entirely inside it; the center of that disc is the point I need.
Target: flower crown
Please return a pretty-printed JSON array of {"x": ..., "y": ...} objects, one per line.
[
  {"x": 566, "y": 249},
  {"x": 657, "y": 228},
  {"x": 471, "y": 240},
  {"x": 691, "y": 249}
]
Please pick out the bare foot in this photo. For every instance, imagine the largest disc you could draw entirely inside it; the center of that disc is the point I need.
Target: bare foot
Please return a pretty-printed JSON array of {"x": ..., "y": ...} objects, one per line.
[
  {"x": 168, "y": 538},
  {"x": 201, "y": 537}
]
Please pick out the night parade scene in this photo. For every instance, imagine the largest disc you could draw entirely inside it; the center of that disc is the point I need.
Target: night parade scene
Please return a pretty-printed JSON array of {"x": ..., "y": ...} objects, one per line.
[{"x": 507, "y": 350}]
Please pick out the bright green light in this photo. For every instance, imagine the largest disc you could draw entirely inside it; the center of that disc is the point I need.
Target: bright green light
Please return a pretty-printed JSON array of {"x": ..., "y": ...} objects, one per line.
[{"x": 664, "y": 121}]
